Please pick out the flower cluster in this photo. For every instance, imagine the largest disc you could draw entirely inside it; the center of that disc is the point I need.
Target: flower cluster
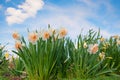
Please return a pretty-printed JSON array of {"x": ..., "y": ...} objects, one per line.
[
  {"x": 91, "y": 53},
  {"x": 34, "y": 36},
  {"x": 93, "y": 48},
  {"x": 18, "y": 43},
  {"x": 117, "y": 38}
]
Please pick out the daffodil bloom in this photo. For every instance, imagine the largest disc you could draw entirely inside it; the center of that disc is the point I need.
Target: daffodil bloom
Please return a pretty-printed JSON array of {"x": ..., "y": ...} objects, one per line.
[
  {"x": 104, "y": 48},
  {"x": 85, "y": 45},
  {"x": 52, "y": 31},
  {"x": 107, "y": 44},
  {"x": 118, "y": 42},
  {"x": 46, "y": 35},
  {"x": 16, "y": 36},
  {"x": 6, "y": 55},
  {"x": 93, "y": 48},
  {"x": 116, "y": 36},
  {"x": 40, "y": 33},
  {"x": 1, "y": 47},
  {"x": 102, "y": 39},
  {"x": 33, "y": 37},
  {"x": 62, "y": 33},
  {"x": 102, "y": 56},
  {"x": 18, "y": 45}
]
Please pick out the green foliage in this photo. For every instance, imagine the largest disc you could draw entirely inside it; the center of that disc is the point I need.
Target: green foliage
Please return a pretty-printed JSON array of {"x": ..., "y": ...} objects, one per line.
[
  {"x": 113, "y": 53},
  {"x": 1, "y": 53},
  {"x": 88, "y": 65},
  {"x": 61, "y": 58},
  {"x": 16, "y": 66},
  {"x": 3, "y": 62},
  {"x": 40, "y": 59}
]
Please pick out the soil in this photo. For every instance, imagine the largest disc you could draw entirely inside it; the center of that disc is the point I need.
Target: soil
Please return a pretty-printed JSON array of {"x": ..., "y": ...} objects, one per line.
[{"x": 16, "y": 78}]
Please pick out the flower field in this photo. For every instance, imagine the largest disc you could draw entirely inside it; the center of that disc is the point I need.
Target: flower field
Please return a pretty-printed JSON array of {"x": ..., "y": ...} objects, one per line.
[{"x": 50, "y": 55}]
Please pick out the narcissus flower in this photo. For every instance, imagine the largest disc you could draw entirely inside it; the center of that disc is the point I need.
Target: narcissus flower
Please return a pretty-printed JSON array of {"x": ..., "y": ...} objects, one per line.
[
  {"x": 33, "y": 37},
  {"x": 1, "y": 47},
  {"x": 52, "y": 31},
  {"x": 6, "y": 55},
  {"x": 116, "y": 36},
  {"x": 102, "y": 39},
  {"x": 85, "y": 45},
  {"x": 106, "y": 45},
  {"x": 118, "y": 42},
  {"x": 16, "y": 35},
  {"x": 18, "y": 45},
  {"x": 93, "y": 48},
  {"x": 62, "y": 33},
  {"x": 40, "y": 33},
  {"x": 46, "y": 35},
  {"x": 102, "y": 56}
]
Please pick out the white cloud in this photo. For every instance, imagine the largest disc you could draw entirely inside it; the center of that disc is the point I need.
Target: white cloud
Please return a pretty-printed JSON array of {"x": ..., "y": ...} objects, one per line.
[
  {"x": 26, "y": 10},
  {"x": 73, "y": 18}
]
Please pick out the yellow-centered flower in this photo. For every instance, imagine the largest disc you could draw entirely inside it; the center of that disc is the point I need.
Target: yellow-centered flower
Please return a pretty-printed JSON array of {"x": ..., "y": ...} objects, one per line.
[
  {"x": 33, "y": 37},
  {"x": 52, "y": 31},
  {"x": 116, "y": 36},
  {"x": 102, "y": 39},
  {"x": 15, "y": 35},
  {"x": 46, "y": 35},
  {"x": 18, "y": 45},
  {"x": 6, "y": 55},
  {"x": 85, "y": 45},
  {"x": 62, "y": 33},
  {"x": 93, "y": 48},
  {"x": 102, "y": 56},
  {"x": 118, "y": 42}
]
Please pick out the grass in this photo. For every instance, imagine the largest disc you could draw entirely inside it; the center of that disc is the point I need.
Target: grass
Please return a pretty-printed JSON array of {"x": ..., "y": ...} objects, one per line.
[
  {"x": 62, "y": 59},
  {"x": 100, "y": 78},
  {"x": 3, "y": 78},
  {"x": 97, "y": 78}
]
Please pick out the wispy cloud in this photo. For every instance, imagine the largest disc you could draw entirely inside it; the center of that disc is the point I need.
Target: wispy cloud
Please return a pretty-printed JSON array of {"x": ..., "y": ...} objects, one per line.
[
  {"x": 26, "y": 10},
  {"x": 103, "y": 14},
  {"x": 74, "y": 18}
]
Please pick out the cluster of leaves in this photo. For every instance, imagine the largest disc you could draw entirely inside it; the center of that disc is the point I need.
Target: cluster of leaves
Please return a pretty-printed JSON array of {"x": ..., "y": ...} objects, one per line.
[
  {"x": 3, "y": 62},
  {"x": 87, "y": 64},
  {"x": 9, "y": 68},
  {"x": 16, "y": 66},
  {"x": 112, "y": 50}
]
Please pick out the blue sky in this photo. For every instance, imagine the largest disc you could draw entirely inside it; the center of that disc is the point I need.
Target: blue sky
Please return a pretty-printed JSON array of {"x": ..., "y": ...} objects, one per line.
[{"x": 75, "y": 15}]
